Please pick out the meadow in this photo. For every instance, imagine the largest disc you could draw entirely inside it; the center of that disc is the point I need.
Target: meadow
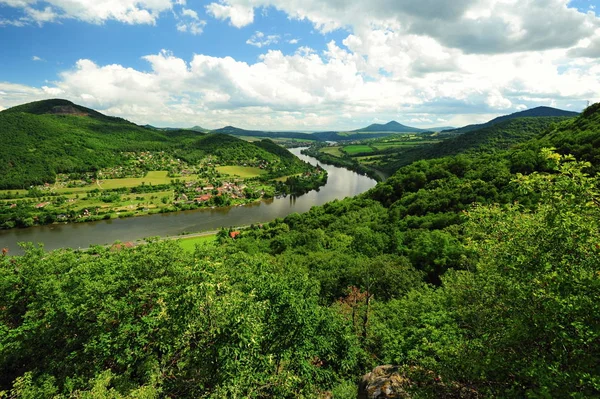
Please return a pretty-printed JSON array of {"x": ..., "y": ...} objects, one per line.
[
  {"x": 356, "y": 149},
  {"x": 189, "y": 244},
  {"x": 241, "y": 171}
]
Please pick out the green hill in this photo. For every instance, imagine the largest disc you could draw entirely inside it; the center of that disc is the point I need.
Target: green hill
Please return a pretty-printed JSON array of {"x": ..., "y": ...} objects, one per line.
[
  {"x": 235, "y": 131},
  {"x": 529, "y": 113},
  {"x": 392, "y": 126},
  {"x": 475, "y": 274},
  {"x": 44, "y": 138},
  {"x": 489, "y": 138}
]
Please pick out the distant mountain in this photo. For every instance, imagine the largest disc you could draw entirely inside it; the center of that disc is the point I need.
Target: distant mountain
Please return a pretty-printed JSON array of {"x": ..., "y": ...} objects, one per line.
[
  {"x": 199, "y": 129},
  {"x": 499, "y": 136},
  {"x": 171, "y": 129},
  {"x": 439, "y": 129},
  {"x": 235, "y": 131},
  {"x": 59, "y": 106},
  {"x": 530, "y": 113},
  {"x": 392, "y": 126}
]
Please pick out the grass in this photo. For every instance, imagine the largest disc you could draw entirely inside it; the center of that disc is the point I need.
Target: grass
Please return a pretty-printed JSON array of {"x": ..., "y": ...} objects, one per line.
[
  {"x": 241, "y": 171},
  {"x": 153, "y": 178},
  {"x": 284, "y": 178},
  {"x": 395, "y": 144},
  {"x": 335, "y": 151},
  {"x": 189, "y": 244},
  {"x": 13, "y": 192},
  {"x": 355, "y": 149}
]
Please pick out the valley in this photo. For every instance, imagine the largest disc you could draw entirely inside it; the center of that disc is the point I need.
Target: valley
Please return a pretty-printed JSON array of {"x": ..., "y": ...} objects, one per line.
[{"x": 470, "y": 268}]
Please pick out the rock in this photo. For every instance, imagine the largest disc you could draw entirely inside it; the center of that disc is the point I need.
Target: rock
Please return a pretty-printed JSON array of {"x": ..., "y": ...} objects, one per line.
[
  {"x": 383, "y": 382},
  {"x": 405, "y": 382}
]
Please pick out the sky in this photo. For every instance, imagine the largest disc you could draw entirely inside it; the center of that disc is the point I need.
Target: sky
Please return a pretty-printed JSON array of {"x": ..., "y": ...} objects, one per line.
[{"x": 302, "y": 64}]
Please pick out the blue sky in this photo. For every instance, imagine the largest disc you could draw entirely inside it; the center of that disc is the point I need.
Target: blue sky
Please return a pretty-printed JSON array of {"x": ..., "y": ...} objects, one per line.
[
  {"x": 60, "y": 45},
  {"x": 305, "y": 65}
]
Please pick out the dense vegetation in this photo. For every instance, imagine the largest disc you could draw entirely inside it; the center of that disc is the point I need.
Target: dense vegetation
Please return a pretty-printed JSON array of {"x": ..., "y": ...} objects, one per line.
[
  {"x": 497, "y": 299},
  {"x": 49, "y": 137},
  {"x": 537, "y": 112},
  {"x": 489, "y": 138}
]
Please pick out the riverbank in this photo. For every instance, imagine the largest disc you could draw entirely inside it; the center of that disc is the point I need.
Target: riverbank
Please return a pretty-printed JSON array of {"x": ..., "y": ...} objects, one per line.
[
  {"x": 341, "y": 183},
  {"x": 346, "y": 162}
]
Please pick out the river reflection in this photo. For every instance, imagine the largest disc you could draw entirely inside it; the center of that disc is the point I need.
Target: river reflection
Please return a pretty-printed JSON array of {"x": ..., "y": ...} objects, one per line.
[{"x": 341, "y": 183}]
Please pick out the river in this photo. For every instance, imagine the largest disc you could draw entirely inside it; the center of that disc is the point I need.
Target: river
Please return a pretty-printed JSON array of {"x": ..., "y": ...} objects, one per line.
[{"x": 341, "y": 183}]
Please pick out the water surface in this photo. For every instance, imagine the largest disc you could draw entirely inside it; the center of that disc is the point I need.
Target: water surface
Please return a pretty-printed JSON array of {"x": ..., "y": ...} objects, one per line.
[{"x": 341, "y": 183}]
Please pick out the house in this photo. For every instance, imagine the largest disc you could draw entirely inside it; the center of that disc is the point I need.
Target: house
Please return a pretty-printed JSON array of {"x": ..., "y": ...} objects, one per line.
[
  {"x": 203, "y": 198},
  {"x": 234, "y": 234},
  {"x": 119, "y": 246},
  {"x": 42, "y": 204}
]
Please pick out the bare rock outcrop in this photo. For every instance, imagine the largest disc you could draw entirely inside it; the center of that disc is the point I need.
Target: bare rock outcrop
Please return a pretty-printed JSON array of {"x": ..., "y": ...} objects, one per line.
[{"x": 402, "y": 382}]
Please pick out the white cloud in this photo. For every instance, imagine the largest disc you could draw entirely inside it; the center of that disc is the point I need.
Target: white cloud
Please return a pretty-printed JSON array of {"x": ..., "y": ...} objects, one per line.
[
  {"x": 259, "y": 39},
  {"x": 307, "y": 90},
  {"x": 239, "y": 16},
  {"x": 36, "y": 58},
  {"x": 190, "y": 22},
  {"x": 474, "y": 26},
  {"x": 93, "y": 11},
  {"x": 423, "y": 61},
  {"x": 186, "y": 12}
]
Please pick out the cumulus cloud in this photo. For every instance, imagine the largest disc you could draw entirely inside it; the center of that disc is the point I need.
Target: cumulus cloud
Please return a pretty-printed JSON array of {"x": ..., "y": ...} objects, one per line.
[
  {"x": 589, "y": 48},
  {"x": 473, "y": 26},
  {"x": 36, "y": 58},
  {"x": 259, "y": 39},
  {"x": 327, "y": 90},
  {"x": 239, "y": 15},
  {"x": 93, "y": 11},
  {"x": 189, "y": 21},
  {"x": 423, "y": 61}
]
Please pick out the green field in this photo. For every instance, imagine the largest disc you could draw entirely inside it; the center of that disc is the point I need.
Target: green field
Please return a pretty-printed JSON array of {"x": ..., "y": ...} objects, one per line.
[
  {"x": 241, "y": 171},
  {"x": 355, "y": 149},
  {"x": 284, "y": 178},
  {"x": 189, "y": 244},
  {"x": 13, "y": 192},
  {"x": 154, "y": 178},
  {"x": 335, "y": 151}
]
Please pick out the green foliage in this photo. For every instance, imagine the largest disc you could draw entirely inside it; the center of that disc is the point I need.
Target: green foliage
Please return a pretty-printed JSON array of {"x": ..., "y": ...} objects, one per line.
[
  {"x": 488, "y": 139},
  {"x": 56, "y": 136},
  {"x": 500, "y": 297},
  {"x": 158, "y": 320},
  {"x": 524, "y": 321}
]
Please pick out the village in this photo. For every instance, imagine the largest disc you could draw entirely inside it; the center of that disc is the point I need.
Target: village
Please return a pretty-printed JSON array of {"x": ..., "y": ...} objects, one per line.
[{"x": 170, "y": 185}]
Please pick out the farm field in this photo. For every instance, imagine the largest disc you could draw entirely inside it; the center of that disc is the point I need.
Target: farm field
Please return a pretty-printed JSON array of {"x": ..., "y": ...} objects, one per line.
[
  {"x": 284, "y": 178},
  {"x": 189, "y": 244},
  {"x": 355, "y": 149},
  {"x": 369, "y": 160},
  {"x": 154, "y": 178},
  {"x": 241, "y": 171},
  {"x": 335, "y": 151}
]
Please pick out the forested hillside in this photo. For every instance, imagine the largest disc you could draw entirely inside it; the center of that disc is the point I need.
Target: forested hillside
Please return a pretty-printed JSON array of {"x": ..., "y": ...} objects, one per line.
[
  {"x": 476, "y": 274},
  {"x": 489, "y": 138},
  {"x": 42, "y": 139},
  {"x": 537, "y": 112}
]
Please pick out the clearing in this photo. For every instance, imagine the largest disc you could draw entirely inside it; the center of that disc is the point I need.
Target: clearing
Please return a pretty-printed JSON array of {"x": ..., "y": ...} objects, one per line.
[{"x": 241, "y": 171}]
